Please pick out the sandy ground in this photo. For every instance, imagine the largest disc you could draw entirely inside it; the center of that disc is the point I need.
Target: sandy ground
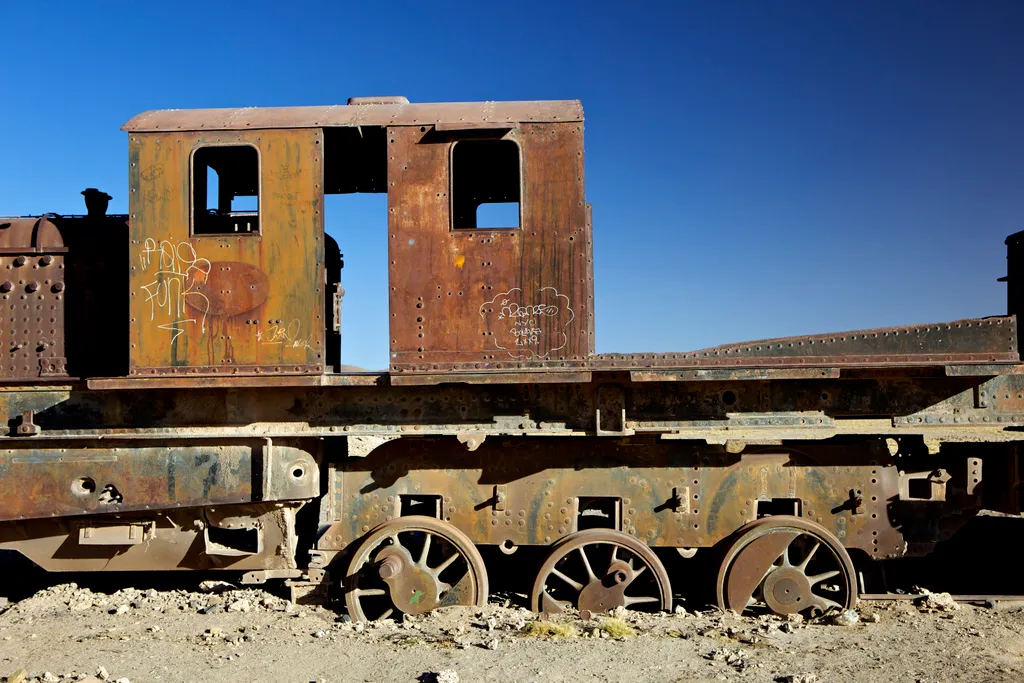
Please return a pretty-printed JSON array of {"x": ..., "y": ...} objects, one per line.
[{"x": 67, "y": 633}]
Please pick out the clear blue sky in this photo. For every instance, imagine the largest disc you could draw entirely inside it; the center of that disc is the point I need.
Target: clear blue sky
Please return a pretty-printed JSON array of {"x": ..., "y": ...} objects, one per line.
[{"x": 756, "y": 168}]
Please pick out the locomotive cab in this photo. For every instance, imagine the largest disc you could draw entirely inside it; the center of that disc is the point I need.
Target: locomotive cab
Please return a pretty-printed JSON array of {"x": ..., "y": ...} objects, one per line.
[{"x": 488, "y": 244}]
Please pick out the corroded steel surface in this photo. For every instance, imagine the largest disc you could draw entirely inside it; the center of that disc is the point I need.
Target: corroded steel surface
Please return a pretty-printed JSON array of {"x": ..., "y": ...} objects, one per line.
[
  {"x": 33, "y": 285},
  {"x": 177, "y": 541},
  {"x": 126, "y": 476},
  {"x": 488, "y": 299},
  {"x": 676, "y": 495},
  {"x": 247, "y": 303},
  {"x": 415, "y": 114}
]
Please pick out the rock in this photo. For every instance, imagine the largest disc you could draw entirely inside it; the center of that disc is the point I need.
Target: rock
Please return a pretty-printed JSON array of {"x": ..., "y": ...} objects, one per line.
[
  {"x": 795, "y": 618},
  {"x": 937, "y": 602},
  {"x": 121, "y": 609},
  {"x": 846, "y": 618},
  {"x": 446, "y": 676},
  {"x": 797, "y": 678},
  {"x": 319, "y": 634},
  {"x": 212, "y": 609},
  {"x": 101, "y": 673},
  {"x": 492, "y": 644},
  {"x": 122, "y": 680},
  {"x": 679, "y": 611},
  {"x": 20, "y": 675},
  {"x": 242, "y": 605},
  {"x": 49, "y": 678},
  {"x": 215, "y": 586}
]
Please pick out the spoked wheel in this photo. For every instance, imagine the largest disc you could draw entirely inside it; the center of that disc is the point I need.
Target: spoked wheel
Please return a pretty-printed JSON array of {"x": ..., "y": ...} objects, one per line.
[
  {"x": 413, "y": 565},
  {"x": 598, "y": 570},
  {"x": 787, "y": 565}
]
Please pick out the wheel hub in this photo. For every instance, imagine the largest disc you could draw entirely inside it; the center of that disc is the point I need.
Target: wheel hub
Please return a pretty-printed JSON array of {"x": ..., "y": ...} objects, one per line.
[
  {"x": 608, "y": 592},
  {"x": 787, "y": 591},
  {"x": 412, "y": 590}
]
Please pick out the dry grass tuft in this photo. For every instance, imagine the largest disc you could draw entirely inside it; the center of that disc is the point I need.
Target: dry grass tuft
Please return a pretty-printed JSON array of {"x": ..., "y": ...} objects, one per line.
[
  {"x": 549, "y": 629},
  {"x": 616, "y": 628}
]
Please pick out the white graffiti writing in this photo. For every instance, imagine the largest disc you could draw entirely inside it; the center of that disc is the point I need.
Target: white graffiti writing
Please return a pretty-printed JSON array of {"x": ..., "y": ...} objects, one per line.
[
  {"x": 289, "y": 336},
  {"x": 524, "y": 322},
  {"x": 177, "y": 270}
]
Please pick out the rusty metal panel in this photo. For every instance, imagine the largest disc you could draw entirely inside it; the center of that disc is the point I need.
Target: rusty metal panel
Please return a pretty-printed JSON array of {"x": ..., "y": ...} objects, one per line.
[
  {"x": 982, "y": 340},
  {"x": 227, "y": 304},
  {"x": 539, "y": 505},
  {"x": 54, "y": 481},
  {"x": 32, "y": 291},
  {"x": 174, "y": 540},
  {"x": 481, "y": 299},
  {"x": 399, "y": 114}
]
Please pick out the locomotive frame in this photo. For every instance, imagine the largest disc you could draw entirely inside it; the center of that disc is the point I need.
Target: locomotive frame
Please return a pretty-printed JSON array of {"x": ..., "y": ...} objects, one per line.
[{"x": 220, "y": 435}]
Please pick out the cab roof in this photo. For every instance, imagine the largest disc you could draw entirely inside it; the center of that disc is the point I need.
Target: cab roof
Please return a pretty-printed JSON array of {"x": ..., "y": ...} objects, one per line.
[{"x": 363, "y": 111}]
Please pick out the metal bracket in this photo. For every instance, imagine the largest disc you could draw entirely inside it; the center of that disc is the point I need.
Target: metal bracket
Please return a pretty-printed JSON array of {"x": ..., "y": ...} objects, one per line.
[
  {"x": 28, "y": 427},
  {"x": 500, "y": 497}
]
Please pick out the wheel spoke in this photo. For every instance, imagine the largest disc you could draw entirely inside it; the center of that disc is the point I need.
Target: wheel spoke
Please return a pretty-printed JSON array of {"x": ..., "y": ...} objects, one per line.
[
  {"x": 638, "y": 572},
  {"x": 572, "y": 582},
  {"x": 388, "y": 613},
  {"x": 824, "y": 604},
  {"x": 640, "y": 600},
  {"x": 444, "y": 565},
  {"x": 426, "y": 549},
  {"x": 807, "y": 560},
  {"x": 586, "y": 563},
  {"x": 368, "y": 592},
  {"x": 818, "y": 578},
  {"x": 785, "y": 557}
]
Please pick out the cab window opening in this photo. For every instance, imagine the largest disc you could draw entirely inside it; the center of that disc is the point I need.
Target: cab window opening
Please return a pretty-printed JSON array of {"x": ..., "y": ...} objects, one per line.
[
  {"x": 225, "y": 190},
  {"x": 486, "y": 185}
]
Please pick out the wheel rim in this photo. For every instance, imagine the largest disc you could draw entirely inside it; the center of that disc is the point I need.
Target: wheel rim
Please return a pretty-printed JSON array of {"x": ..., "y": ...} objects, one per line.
[
  {"x": 598, "y": 570},
  {"x": 788, "y": 566},
  {"x": 413, "y": 565}
]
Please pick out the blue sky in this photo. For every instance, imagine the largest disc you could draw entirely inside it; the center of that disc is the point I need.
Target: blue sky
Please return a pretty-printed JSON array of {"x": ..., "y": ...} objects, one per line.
[{"x": 756, "y": 168}]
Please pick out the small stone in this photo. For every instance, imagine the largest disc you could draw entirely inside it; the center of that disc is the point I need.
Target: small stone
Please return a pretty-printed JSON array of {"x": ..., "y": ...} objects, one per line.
[
  {"x": 20, "y": 675},
  {"x": 319, "y": 634},
  {"x": 446, "y": 676},
  {"x": 795, "y": 618},
  {"x": 122, "y": 680},
  {"x": 874, "y": 618},
  {"x": 359, "y": 626},
  {"x": 215, "y": 586},
  {"x": 797, "y": 678},
  {"x": 242, "y": 605},
  {"x": 846, "y": 618},
  {"x": 679, "y": 611},
  {"x": 212, "y": 609},
  {"x": 152, "y": 593},
  {"x": 49, "y": 677},
  {"x": 121, "y": 609},
  {"x": 786, "y": 627},
  {"x": 492, "y": 644},
  {"x": 101, "y": 673}
]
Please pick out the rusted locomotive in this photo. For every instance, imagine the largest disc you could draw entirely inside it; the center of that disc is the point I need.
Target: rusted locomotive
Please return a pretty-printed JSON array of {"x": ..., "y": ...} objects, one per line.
[{"x": 175, "y": 400}]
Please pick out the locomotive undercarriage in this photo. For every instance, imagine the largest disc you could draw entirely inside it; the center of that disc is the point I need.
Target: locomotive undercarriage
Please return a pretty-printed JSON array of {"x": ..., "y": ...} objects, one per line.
[{"x": 383, "y": 493}]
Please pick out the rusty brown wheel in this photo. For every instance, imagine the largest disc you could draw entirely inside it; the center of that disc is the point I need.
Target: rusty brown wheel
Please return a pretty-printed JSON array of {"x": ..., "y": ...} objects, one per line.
[
  {"x": 413, "y": 565},
  {"x": 598, "y": 570},
  {"x": 787, "y": 565}
]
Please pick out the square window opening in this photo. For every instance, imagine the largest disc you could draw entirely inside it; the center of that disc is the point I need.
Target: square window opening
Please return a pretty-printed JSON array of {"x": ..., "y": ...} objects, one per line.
[
  {"x": 486, "y": 185},
  {"x": 225, "y": 190}
]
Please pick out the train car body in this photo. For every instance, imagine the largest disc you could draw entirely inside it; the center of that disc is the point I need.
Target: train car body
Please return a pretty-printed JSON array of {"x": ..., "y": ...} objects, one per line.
[{"x": 175, "y": 400}]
